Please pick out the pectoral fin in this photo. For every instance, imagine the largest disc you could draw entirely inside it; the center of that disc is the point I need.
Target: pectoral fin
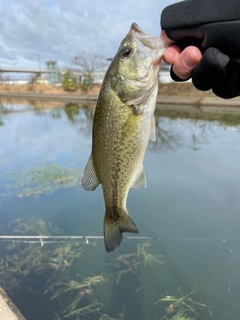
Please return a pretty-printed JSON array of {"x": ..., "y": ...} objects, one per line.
[
  {"x": 89, "y": 179},
  {"x": 153, "y": 129},
  {"x": 141, "y": 181}
]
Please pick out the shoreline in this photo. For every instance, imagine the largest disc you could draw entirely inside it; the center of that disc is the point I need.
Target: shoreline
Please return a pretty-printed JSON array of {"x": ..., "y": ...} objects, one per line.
[
  {"x": 164, "y": 100},
  {"x": 8, "y": 310}
]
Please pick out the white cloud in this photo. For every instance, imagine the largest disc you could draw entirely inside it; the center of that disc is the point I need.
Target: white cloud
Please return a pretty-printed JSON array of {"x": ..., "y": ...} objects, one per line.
[{"x": 61, "y": 29}]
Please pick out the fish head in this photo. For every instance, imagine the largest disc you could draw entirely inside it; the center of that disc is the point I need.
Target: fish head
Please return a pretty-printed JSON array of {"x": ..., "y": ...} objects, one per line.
[{"x": 136, "y": 66}]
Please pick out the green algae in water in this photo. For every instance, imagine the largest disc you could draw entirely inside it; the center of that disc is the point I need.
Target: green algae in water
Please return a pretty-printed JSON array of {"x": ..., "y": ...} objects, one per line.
[{"x": 44, "y": 180}]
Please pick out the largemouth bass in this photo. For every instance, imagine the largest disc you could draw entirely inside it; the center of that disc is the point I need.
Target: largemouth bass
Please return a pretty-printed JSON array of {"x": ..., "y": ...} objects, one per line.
[{"x": 122, "y": 126}]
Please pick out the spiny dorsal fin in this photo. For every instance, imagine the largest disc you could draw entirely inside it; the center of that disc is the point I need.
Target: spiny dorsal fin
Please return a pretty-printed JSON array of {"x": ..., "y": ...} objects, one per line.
[{"x": 89, "y": 179}]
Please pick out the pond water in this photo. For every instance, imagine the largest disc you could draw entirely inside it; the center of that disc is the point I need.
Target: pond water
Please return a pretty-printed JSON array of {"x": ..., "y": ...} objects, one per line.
[{"x": 183, "y": 264}]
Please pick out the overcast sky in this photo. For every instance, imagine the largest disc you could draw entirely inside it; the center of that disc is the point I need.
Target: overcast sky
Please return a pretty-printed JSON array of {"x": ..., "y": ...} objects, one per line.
[{"x": 60, "y": 29}]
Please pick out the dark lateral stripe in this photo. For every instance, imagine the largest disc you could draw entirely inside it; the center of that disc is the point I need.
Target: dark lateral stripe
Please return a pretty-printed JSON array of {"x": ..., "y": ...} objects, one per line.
[{"x": 113, "y": 212}]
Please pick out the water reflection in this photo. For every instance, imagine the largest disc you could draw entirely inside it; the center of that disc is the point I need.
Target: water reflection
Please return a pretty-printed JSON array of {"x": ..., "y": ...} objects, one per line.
[
  {"x": 165, "y": 138},
  {"x": 71, "y": 110},
  {"x": 56, "y": 112},
  {"x": 1, "y": 114},
  {"x": 201, "y": 124}
]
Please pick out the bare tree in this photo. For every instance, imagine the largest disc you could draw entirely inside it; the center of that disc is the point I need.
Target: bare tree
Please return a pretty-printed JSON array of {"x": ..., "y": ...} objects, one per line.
[{"x": 89, "y": 64}]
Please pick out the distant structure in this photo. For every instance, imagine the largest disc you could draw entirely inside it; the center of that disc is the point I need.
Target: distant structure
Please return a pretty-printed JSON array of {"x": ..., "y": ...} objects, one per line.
[{"x": 52, "y": 72}]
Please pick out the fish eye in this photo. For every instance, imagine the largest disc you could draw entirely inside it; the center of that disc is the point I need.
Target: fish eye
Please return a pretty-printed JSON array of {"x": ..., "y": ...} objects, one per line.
[{"x": 126, "y": 51}]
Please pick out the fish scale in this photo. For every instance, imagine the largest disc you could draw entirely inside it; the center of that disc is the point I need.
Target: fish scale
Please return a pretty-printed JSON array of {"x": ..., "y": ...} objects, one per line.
[{"x": 122, "y": 126}]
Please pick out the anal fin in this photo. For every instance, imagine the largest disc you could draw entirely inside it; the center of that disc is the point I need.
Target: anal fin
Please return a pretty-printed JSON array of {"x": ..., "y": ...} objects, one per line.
[{"x": 141, "y": 181}]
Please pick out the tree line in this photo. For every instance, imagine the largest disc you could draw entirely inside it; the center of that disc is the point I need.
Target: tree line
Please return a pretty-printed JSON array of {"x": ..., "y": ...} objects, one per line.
[{"x": 86, "y": 65}]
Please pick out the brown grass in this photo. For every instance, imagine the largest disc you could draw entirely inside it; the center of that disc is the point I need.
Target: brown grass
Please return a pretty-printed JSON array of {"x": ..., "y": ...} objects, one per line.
[
  {"x": 165, "y": 89},
  {"x": 94, "y": 89},
  {"x": 46, "y": 89},
  {"x": 32, "y": 88},
  {"x": 182, "y": 90}
]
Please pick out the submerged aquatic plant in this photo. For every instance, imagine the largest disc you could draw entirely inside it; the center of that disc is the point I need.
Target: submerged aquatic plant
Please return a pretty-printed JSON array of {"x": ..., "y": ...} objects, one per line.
[
  {"x": 20, "y": 260},
  {"x": 33, "y": 226},
  {"x": 58, "y": 267},
  {"x": 151, "y": 260},
  {"x": 131, "y": 263},
  {"x": 182, "y": 307},
  {"x": 120, "y": 316},
  {"x": 52, "y": 264},
  {"x": 44, "y": 179}
]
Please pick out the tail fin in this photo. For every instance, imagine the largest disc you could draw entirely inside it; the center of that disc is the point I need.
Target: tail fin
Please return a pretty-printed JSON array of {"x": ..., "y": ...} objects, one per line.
[{"x": 114, "y": 226}]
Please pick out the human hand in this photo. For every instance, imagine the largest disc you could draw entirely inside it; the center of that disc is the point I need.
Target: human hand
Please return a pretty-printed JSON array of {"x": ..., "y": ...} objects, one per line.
[
  {"x": 205, "y": 36},
  {"x": 183, "y": 62}
]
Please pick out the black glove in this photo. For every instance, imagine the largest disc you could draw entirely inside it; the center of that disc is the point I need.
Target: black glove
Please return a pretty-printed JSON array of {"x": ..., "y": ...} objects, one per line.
[{"x": 214, "y": 27}]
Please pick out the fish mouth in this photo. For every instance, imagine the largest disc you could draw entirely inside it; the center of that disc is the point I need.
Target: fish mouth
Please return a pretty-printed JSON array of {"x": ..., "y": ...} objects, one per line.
[
  {"x": 135, "y": 27},
  {"x": 154, "y": 43}
]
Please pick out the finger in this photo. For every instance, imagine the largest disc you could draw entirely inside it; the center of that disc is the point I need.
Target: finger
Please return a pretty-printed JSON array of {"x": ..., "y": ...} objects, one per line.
[
  {"x": 186, "y": 61},
  {"x": 171, "y": 54}
]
